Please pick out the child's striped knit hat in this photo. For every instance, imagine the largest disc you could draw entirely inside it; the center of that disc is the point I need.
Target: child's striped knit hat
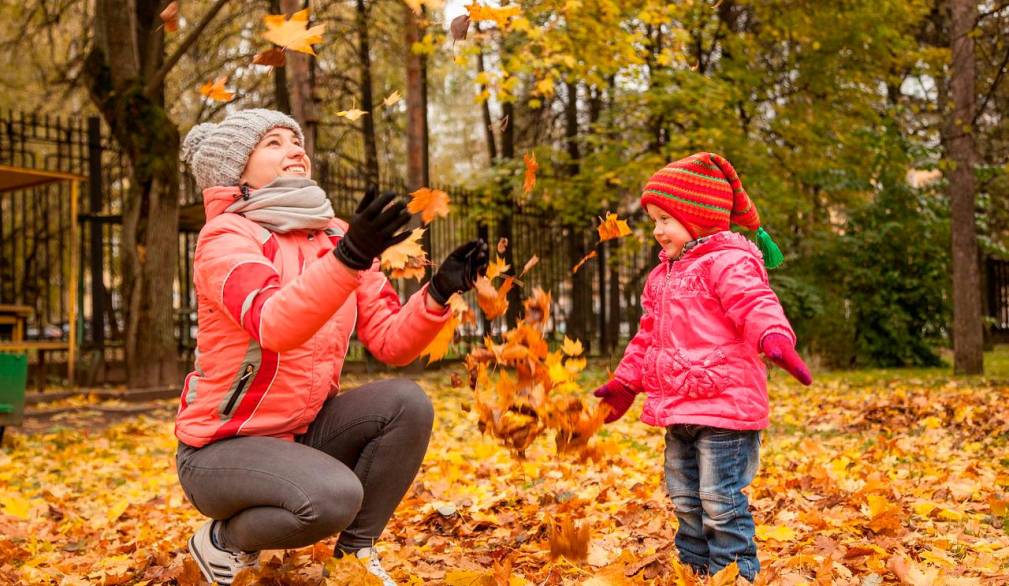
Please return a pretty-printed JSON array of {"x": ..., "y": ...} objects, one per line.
[{"x": 703, "y": 192}]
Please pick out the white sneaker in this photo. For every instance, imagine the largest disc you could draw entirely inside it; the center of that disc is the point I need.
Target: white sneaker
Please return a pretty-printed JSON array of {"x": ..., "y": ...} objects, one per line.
[
  {"x": 218, "y": 565},
  {"x": 369, "y": 556}
]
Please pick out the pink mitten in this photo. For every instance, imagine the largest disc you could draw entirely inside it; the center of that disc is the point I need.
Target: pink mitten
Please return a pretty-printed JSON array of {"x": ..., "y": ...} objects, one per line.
[
  {"x": 780, "y": 350},
  {"x": 618, "y": 397}
]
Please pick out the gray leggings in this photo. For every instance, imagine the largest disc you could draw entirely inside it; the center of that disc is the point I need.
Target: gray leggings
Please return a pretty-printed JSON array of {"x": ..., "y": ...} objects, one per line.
[{"x": 346, "y": 475}]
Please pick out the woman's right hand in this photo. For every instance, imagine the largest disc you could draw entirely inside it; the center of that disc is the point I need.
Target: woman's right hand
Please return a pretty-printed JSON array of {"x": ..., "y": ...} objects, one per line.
[{"x": 372, "y": 229}]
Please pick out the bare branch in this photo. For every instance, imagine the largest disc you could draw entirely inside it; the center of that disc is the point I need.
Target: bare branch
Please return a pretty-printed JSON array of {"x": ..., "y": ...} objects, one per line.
[{"x": 159, "y": 76}]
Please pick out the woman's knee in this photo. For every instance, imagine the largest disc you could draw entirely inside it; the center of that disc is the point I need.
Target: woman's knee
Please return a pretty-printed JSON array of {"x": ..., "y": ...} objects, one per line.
[
  {"x": 415, "y": 406},
  {"x": 332, "y": 508}
]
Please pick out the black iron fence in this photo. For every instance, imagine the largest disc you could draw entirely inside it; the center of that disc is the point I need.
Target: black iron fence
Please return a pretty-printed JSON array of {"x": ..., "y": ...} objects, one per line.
[{"x": 35, "y": 248}]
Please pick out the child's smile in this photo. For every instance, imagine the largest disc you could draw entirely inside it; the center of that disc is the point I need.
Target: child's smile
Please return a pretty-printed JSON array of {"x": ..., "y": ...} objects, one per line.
[{"x": 668, "y": 231}]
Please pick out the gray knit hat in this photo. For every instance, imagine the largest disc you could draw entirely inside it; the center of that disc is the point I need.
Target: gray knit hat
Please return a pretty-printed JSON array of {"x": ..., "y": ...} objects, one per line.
[{"x": 217, "y": 153}]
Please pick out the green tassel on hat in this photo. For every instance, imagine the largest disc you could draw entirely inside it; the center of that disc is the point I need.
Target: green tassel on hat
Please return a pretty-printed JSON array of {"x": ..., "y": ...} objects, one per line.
[{"x": 772, "y": 254}]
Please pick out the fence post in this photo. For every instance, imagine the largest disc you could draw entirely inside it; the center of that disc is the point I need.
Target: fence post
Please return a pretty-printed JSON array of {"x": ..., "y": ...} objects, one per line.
[{"x": 96, "y": 260}]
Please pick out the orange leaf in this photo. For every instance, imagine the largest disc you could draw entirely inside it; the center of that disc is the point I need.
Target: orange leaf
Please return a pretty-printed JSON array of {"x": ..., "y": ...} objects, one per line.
[
  {"x": 537, "y": 308},
  {"x": 429, "y": 202},
  {"x": 497, "y": 267},
  {"x": 215, "y": 90},
  {"x": 293, "y": 33},
  {"x": 493, "y": 302},
  {"x": 530, "y": 175},
  {"x": 568, "y": 539},
  {"x": 502, "y": 245},
  {"x": 592, "y": 254},
  {"x": 275, "y": 57},
  {"x": 170, "y": 16},
  {"x": 726, "y": 576},
  {"x": 613, "y": 227},
  {"x": 438, "y": 347}
]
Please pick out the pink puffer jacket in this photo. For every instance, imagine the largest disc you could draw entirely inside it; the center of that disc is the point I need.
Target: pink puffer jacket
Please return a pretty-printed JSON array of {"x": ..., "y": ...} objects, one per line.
[
  {"x": 276, "y": 312},
  {"x": 696, "y": 352}
]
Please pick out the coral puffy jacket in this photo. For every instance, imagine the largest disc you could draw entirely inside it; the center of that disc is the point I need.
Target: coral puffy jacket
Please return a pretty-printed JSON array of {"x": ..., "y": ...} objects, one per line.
[{"x": 276, "y": 312}]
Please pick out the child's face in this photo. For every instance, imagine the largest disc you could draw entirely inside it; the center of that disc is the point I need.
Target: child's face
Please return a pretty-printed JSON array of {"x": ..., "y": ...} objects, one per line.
[
  {"x": 278, "y": 154},
  {"x": 669, "y": 232}
]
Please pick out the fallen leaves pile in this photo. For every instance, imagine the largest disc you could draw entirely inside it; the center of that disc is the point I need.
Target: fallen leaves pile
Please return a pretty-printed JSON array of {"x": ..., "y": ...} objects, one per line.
[{"x": 864, "y": 479}]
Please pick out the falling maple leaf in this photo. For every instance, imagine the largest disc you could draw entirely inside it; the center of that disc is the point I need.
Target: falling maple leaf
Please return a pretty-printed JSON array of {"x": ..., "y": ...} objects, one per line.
[
  {"x": 613, "y": 227},
  {"x": 392, "y": 99},
  {"x": 429, "y": 203},
  {"x": 537, "y": 308},
  {"x": 497, "y": 267},
  {"x": 438, "y": 347},
  {"x": 353, "y": 114},
  {"x": 293, "y": 33},
  {"x": 592, "y": 254},
  {"x": 530, "y": 173},
  {"x": 572, "y": 347},
  {"x": 407, "y": 259},
  {"x": 170, "y": 17},
  {"x": 216, "y": 91},
  {"x": 502, "y": 245},
  {"x": 274, "y": 57},
  {"x": 493, "y": 302}
]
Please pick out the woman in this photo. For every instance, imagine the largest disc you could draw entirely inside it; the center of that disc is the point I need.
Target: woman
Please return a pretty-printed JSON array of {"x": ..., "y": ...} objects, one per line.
[{"x": 269, "y": 447}]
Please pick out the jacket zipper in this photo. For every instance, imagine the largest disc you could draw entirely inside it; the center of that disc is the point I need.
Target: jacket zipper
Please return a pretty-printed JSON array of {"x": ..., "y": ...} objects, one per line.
[{"x": 238, "y": 390}]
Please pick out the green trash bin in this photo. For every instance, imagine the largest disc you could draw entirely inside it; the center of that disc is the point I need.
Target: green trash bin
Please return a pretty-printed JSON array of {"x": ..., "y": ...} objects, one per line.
[{"x": 13, "y": 378}]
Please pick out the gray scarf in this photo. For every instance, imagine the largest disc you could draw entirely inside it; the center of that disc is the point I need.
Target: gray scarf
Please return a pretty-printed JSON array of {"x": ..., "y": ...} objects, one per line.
[{"x": 286, "y": 204}]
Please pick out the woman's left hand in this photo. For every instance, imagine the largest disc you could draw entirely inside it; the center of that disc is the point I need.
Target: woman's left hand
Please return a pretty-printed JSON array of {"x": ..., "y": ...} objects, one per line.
[{"x": 459, "y": 271}]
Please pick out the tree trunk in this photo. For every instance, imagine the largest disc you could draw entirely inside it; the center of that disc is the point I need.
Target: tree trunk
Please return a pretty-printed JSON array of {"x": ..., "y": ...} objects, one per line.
[
  {"x": 488, "y": 125},
  {"x": 367, "y": 99},
  {"x": 581, "y": 282},
  {"x": 301, "y": 85},
  {"x": 125, "y": 74},
  {"x": 506, "y": 208},
  {"x": 967, "y": 325},
  {"x": 282, "y": 98}
]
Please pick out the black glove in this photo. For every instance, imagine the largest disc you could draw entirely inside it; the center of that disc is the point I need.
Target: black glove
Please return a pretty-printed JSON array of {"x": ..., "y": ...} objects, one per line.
[
  {"x": 459, "y": 271},
  {"x": 372, "y": 230}
]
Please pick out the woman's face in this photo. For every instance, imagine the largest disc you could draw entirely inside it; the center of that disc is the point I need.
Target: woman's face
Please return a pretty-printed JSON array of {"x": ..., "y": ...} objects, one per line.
[
  {"x": 278, "y": 154},
  {"x": 669, "y": 232}
]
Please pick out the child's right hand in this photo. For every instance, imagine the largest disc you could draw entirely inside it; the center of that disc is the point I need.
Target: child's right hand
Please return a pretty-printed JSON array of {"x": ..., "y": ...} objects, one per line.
[{"x": 617, "y": 397}]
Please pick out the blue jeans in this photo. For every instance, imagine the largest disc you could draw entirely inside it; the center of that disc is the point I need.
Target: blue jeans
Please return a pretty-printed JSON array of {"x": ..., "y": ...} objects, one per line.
[{"x": 706, "y": 471}]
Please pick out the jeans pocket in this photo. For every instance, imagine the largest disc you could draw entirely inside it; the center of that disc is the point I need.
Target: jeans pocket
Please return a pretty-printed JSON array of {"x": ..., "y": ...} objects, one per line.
[{"x": 695, "y": 375}]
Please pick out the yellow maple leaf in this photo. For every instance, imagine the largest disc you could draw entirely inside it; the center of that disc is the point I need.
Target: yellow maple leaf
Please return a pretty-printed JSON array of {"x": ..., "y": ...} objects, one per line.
[
  {"x": 572, "y": 347},
  {"x": 532, "y": 166},
  {"x": 408, "y": 254},
  {"x": 438, "y": 347},
  {"x": 216, "y": 91},
  {"x": 429, "y": 202},
  {"x": 293, "y": 33},
  {"x": 726, "y": 576},
  {"x": 353, "y": 114},
  {"x": 497, "y": 267},
  {"x": 613, "y": 227},
  {"x": 392, "y": 99}
]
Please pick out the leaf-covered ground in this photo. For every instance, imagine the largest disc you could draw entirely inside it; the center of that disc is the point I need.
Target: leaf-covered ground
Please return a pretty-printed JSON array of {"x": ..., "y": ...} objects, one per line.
[{"x": 866, "y": 478}]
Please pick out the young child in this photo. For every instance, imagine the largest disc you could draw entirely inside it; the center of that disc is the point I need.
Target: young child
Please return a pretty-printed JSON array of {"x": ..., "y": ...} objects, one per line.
[{"x": 708, "y": 313}]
